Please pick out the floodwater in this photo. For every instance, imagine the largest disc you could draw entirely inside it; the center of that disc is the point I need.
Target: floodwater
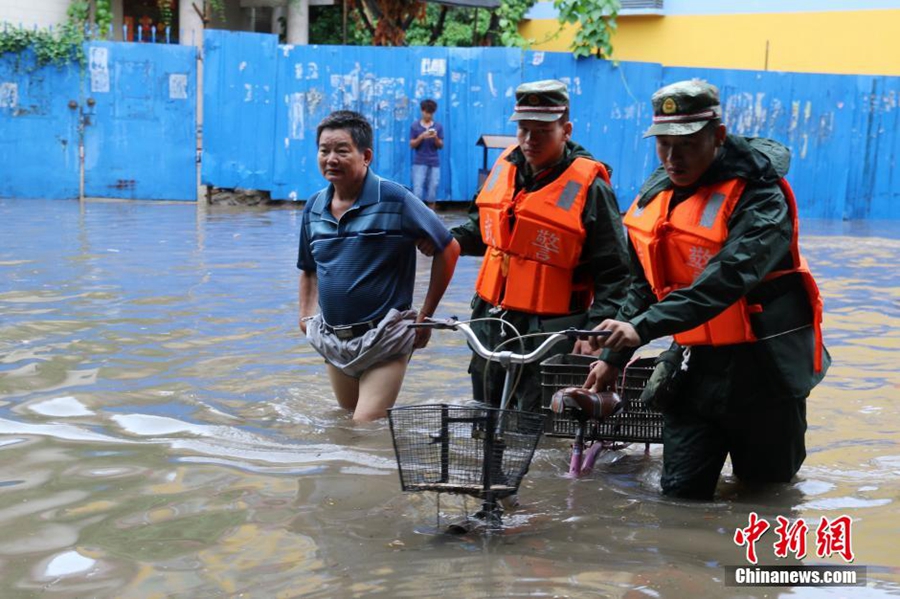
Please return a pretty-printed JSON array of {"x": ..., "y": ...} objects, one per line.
[{"x": 165, "y": 431}]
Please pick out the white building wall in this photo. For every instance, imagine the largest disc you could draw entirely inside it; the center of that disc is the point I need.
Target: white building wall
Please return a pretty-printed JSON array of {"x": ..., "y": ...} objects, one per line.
[{"x": 29, "y": 13}]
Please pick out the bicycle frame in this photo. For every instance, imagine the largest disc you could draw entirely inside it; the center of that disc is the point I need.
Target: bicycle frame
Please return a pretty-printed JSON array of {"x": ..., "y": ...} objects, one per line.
[
  {"x": 507, "y": 359},
  {"x": 582, "y": 461}
]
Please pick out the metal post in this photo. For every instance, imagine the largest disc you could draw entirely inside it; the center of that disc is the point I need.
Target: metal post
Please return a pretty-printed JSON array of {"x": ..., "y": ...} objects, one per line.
[
  {"x": 298, "y": 22},
  {"x": 277, "y": 15},
  {"x": 191, "y": 22}
]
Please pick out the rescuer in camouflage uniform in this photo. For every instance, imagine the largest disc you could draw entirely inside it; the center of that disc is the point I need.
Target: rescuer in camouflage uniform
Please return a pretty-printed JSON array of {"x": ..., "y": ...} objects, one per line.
[
  {"x": 543, "y": 154},
  {"x": 744, "y": 398}
]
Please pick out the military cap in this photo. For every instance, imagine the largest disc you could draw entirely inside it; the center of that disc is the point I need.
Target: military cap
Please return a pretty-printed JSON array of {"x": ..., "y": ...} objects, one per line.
[
  {"x": 545, "y": 100},
  {"x": 683, "y": 108}
]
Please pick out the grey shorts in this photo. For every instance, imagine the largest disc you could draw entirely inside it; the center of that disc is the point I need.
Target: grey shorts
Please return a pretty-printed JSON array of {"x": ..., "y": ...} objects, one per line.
[{"x": 391, "y": 339}]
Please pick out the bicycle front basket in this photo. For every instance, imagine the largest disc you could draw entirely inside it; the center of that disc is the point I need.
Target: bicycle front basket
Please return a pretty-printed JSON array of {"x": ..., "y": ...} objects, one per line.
[{"x": 476, "y": 451}]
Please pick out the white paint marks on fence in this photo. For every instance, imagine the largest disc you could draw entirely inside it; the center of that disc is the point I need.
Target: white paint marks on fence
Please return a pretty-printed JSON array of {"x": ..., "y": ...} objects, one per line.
[
  {"x": 627, "y": 112},
  {"x": 421, "y": 89},
  {"x": 437, "y": 89},
  {"x": 491, "y": 84},
  {"x": 807, "y": 113},
  {"x": 434, "y": 67},
  {"x": 367, "y": 89},
  {"x": 297, "y": 116},
  {"x": 537, "y": 58},
  {"x": 178, "y": 83},
  {"x": 248, "y": 92},
  {"x": 313, "y": 98},
  {"x": 346, "y": 89},
  {"x": 312, "y": 70},
  {"x": 98, "y": 65},
  {"x": 9, "y": 94},
  {"x": 242, "y": 66}
]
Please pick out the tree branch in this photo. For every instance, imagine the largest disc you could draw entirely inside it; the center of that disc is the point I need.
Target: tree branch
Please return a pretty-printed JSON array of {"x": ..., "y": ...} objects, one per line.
[
  {"x": 364, "y": 17},
  {"x": 438, "y": 28}
]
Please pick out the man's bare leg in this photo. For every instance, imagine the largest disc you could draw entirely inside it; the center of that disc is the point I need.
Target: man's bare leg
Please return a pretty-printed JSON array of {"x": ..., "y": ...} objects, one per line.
[
  {"x": 379, "y": 388},
  {"x": 346, "y": 388}
]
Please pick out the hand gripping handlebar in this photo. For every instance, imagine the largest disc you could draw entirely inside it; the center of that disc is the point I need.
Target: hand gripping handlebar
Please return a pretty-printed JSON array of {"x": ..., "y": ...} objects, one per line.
[{"x": 506, "y": 357}]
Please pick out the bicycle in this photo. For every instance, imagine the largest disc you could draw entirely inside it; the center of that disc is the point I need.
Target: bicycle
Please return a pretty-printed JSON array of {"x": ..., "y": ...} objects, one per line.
[
  {"x": 609, "y": 420},
  {"x": 480, "y": 451}
]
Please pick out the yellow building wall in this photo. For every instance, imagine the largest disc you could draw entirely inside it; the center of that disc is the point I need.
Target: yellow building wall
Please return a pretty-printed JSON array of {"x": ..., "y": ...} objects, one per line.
[{"x": 842, "y": 42}]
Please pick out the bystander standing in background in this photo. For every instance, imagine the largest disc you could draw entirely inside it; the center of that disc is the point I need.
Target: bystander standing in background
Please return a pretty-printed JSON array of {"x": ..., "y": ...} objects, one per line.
[{"x": 426, "y": 137}]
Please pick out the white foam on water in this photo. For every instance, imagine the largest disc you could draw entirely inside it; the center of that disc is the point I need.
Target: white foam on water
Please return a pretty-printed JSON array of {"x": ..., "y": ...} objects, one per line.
[
  {"x": 63, "y": 407},
  {"x": 844, "y": 503},
  {"x": 68, "y": 563},
  {"x": 149, "y": 426}
]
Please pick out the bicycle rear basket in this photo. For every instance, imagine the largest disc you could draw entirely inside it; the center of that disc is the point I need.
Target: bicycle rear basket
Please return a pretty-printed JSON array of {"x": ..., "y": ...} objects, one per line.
[
  {"x": 638, "y": 423},
  {"x": 478, "y": 451}
]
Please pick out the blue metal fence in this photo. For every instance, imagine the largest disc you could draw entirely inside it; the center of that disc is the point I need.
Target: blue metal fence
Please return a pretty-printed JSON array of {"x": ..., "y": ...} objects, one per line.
[
  {"x": 140, "y": 138},
  {"x": 132, "y": 108},
  {"x": 842, "y": 130},
  {"x": 239, "y": 109},
  {"x": 39, "y": 132}
]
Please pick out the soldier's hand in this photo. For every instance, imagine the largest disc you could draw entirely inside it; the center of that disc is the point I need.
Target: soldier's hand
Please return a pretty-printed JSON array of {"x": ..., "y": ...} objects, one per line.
[
  {"x": 583, "y": 347},
  {"x": 622, "y": 335},
  {"x": 601, "y": 377}
]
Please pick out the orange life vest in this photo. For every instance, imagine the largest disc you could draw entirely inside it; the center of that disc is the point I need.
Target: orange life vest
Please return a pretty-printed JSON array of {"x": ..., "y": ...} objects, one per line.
[
  {"x": 675, "y": 247},
  {"x": 529, "y": 266}
]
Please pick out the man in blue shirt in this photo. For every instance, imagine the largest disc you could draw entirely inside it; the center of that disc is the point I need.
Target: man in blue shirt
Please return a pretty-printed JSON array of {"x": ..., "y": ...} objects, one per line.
[
  {"x": 426, "y": 137},
  {"x": 358, "y": 261}
]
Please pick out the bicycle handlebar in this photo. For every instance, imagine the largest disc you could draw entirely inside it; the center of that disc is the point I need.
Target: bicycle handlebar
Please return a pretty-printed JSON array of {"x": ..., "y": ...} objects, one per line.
[{"x": 506, "y": 357}]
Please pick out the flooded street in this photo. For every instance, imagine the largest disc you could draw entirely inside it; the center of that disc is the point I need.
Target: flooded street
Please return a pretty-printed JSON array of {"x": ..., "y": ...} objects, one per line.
[{"x": 165, "y": 431}]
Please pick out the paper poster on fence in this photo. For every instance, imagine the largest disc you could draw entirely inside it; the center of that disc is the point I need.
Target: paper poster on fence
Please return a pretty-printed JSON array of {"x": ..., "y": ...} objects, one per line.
[
  {"x": 178, "y": 86},
  {"x": 98, "y": 65}
]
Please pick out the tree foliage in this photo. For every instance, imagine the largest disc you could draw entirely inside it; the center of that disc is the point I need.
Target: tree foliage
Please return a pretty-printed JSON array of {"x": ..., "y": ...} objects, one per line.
[
  {"x": 597, "y": 23},
  {"x": 419, "y": 23},
  {"x": 402, "y": 23},
  {"x": 63, "y": 44},
  {"x": 510, "y": 14}
]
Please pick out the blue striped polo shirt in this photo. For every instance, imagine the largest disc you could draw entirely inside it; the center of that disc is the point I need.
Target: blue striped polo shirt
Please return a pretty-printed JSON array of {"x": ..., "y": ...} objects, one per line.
[{"x": 366, "y": 263}]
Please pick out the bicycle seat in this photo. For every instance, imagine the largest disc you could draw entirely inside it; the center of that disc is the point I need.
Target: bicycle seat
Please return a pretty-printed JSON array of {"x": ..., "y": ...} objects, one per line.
[{"x": 586, "y": 404}]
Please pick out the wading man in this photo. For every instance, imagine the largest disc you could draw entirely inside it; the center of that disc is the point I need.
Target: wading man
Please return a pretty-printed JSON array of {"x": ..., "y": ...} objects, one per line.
[
  {"x": 358, "y": 263},
  {"x": 713, "y": 235}
]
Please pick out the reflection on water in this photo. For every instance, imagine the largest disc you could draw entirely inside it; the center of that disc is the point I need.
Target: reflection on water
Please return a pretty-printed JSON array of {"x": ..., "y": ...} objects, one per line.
[{"x": 165, "y": 431}]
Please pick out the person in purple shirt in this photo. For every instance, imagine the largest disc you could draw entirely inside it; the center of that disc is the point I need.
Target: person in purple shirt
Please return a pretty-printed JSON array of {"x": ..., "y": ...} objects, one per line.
[{"x": 426, "y": 137}]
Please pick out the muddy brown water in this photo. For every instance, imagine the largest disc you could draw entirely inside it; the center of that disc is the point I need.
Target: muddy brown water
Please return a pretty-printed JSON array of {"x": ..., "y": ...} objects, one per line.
[{"x": 165, "y": 431}]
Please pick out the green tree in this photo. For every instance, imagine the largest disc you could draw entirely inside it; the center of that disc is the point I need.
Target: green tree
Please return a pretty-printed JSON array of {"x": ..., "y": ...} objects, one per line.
[
  {"x": 437, "y": 25},
  {"x": 510, "y": 14},
  {"x": 597, "y": 23},
  {"x": 418, "y": 23}
]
